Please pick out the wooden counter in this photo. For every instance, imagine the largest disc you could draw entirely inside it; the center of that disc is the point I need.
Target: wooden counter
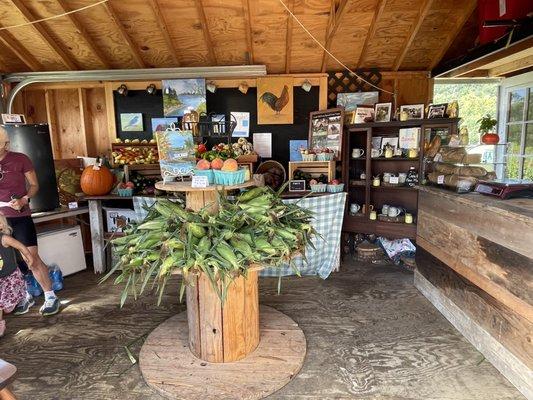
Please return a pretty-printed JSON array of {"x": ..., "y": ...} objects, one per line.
[{"x": 475, "y": 264}]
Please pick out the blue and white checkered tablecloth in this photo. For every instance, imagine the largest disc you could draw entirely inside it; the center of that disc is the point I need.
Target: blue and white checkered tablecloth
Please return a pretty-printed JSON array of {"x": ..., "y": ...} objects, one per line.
[{"x": 328, "y": 215}]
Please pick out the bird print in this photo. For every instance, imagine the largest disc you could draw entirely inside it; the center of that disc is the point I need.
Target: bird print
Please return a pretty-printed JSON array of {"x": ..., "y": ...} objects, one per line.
[
  {"x": 274, "y": 102},
  {"x": 133, "y": 123}
]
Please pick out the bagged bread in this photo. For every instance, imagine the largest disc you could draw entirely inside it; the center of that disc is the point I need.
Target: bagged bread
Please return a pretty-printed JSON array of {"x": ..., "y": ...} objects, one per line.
[{"x": 452, "y": 154}]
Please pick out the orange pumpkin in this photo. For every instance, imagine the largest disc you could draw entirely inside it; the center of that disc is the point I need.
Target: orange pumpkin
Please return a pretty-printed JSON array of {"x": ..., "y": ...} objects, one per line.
[{"x": 96, "y": 180}]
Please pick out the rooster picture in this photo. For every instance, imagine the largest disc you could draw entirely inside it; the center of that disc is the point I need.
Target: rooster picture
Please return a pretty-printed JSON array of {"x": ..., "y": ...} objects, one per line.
[{"x": 274, "y": 102}]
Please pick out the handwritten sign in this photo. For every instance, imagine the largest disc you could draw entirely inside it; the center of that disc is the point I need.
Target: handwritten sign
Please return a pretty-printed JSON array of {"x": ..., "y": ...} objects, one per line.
[
  {"x": 199, "y": 181},
  {"x": 394, "y": 180},
  {"x": 440, "y": 179}
]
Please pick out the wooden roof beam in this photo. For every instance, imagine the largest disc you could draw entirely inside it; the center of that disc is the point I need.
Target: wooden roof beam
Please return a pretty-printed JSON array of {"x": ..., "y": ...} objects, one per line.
[
  {"x": 512, "y": 66},
  {"x": 288, "y": 38},
  {"x": 469, "y": 9},
  {"x": 160, "y": 20},
  {"x": 24, "y": 55},
  {"x": 207, "y": 35},
  {"x": 424, "y": 10},
  {"x": 133, "y": 48},
  {"x": 83, "y": 32},
  {"x": 45, "y": 35},
  {"x": 372, "y": 30},
  {"x": 335, "y": 18},
  {"x": 248, "y": 26}
]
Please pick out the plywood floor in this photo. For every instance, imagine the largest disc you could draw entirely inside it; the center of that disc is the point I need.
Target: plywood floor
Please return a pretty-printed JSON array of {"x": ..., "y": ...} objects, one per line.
[{"x": 370, "y": 335}]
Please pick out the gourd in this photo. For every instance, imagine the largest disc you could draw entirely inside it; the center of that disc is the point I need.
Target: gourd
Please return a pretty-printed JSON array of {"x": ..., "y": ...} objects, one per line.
[{"x": 96, "y": 180}]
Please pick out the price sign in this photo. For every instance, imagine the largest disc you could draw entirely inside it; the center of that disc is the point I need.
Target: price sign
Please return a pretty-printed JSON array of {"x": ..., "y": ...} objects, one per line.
[
  {"x": 394, "y": 180},
  {"x": 199, "y": 181},
  {"x": 296, "y": 185},
  {"x": 440, "y": 179},
  {"x": 73, "y": 205}
]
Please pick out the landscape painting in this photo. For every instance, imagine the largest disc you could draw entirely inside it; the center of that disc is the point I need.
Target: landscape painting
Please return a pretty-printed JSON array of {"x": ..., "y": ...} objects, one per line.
[
  {"x": 176, "y": 153},
  {"x": 183, "y": 95},
  {"x": 350, "y": 101},
  {"x": 274, "y": 100},
  {"x": 161, "y": 124}
]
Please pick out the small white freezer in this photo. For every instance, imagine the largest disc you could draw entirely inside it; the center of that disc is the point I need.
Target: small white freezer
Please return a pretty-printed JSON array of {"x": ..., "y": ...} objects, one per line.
[{"x": 63, "y": 247}]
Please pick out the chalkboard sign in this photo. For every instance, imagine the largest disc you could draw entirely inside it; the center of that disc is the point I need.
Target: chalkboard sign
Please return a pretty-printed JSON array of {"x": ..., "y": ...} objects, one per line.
[
  {"x": 138, "y": 101},
  {"x": 296, "y": 185},
  {"x": 325, "y": 130}
]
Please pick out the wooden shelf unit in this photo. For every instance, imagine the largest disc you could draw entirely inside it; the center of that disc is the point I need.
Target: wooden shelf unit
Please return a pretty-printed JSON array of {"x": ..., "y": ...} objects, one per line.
[{"x": 360, "y": 136}]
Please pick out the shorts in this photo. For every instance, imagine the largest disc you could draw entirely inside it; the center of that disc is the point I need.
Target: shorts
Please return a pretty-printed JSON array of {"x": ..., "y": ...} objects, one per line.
[{"x": 23, "y": 230}]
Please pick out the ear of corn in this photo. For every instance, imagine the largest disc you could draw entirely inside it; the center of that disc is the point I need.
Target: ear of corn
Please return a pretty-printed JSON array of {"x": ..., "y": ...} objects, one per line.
[{"x": 256, "y": 228}]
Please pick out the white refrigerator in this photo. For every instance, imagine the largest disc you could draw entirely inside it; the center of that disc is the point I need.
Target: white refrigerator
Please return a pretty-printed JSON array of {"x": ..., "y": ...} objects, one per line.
[{"x": 63, "y": 247}]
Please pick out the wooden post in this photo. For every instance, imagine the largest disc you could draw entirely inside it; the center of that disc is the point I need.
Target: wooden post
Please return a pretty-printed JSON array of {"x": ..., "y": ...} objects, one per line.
[
  {"x": 223, "y": 332},
  {"x": 97, "y": 235}
]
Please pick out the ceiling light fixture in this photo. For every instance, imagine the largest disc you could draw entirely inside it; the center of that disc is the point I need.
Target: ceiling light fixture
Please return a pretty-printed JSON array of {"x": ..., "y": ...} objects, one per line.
[
  {"x": 307, "y": 85},
  {"x": 151, "y": 89},
  {"x": 122, "y": 90}
]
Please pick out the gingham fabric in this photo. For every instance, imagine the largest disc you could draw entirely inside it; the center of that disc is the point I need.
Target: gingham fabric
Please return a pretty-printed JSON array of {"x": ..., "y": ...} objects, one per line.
[{"x": 328, "y": 215}]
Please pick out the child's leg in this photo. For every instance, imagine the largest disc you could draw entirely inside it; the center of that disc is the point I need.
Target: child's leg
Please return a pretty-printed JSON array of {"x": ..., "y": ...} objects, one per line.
[{"x": 2, "y": 324}]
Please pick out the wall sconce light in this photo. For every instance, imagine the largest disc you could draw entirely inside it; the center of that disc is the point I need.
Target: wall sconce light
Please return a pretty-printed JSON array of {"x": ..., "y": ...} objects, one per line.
[
  {"x": 151, "y": 89},
  {"x": 307, "y": 85},
  {"x": 243, "y": 88},
  {"x": 122, "y": 90},
  {"x": 211, "y": 87}
]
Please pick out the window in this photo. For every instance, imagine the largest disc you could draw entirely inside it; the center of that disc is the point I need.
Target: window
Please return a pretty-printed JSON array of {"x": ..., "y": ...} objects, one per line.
[{"x": 517, "y": 115}]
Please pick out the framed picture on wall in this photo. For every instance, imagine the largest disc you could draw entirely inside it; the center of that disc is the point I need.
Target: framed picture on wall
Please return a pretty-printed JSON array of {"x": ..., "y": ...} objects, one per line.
[
  {"x": 275, "y": 100},
  {"x": 326, "y": 129},
  {"x": 131, "y": 122},
  {"x": 414, "y": 111},
  {"x": 383, "y": 112},
  {"x": 13, "y": 119}
]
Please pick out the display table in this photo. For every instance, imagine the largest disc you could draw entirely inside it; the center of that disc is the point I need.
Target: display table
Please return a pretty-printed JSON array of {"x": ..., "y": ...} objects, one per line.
[
  {"x": 219, "y": 334},
  {"x": 475, "y": 264}
]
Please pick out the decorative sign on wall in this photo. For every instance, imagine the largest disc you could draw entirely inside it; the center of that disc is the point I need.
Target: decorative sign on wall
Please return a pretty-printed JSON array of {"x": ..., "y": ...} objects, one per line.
[
  {"x": 176, "y": 153},
  {"x": 131, "y": 122},
  {"x": 274, "y": 100},
  {"x": 182, "y": 95},
  {"x": 161, "y": 124},
  {"x": 325, "y": 130}
]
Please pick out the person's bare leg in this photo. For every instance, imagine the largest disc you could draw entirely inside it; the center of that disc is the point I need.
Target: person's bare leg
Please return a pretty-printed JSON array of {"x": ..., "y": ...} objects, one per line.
[
  {"x": 40, "y": 271},
  {"x": 2, "y": 324}
]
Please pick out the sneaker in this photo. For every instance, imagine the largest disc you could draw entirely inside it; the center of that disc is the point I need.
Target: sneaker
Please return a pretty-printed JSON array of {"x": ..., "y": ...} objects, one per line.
[
  {"x": 24, "y": 306},
  {"x": 50, "y": 307}
]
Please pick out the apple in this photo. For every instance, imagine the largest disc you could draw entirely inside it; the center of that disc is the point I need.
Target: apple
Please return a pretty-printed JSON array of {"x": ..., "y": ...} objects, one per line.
[
  {"x": 334, "y": 182},
  {"x": 202, "y": 148},
  {"x": 129, "y": 185},
  {"x": 313, "y": 182}
]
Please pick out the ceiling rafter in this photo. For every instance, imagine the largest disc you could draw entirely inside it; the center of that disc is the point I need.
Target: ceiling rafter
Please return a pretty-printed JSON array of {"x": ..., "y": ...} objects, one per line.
[
  {"x": 205, "y": 30},
  {"x": 83, "y": 32},
  {"x": 160, "y": 20},
  {"x": 335, "y": 18},
  {"x": 288, "y": 38},
  {"x": 45, "y": 35},
  {"x": 16, "y": 47},
  {"x": 133, "y": 48},
  {"x": 380, "y": 7},
  {"x": 422, "y": 14},
  {"x": 459, "y": 22},
  {"x": 248, "y": 26}
]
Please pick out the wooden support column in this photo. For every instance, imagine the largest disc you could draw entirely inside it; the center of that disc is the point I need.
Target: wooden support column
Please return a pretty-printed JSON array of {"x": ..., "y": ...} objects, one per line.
[
  {"x": 110, "y": 110},
  {"x": 85, "y": 124},
  {"x": 323, "y": 93},
  {"x": 51, "y": 116},
  {"x": 97, "y": 235}
]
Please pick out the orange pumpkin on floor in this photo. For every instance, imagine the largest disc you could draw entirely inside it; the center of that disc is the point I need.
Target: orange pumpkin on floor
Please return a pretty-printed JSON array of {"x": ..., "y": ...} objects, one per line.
[{"x": 96, "y": 180}]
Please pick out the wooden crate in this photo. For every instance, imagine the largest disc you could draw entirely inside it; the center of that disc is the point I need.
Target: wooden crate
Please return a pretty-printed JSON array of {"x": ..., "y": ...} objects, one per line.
[{"x": 315, "y": 168}]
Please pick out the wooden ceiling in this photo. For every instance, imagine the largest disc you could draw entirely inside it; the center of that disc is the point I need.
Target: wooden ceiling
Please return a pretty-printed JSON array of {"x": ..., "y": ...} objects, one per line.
[{"x": 387, "y": 34}]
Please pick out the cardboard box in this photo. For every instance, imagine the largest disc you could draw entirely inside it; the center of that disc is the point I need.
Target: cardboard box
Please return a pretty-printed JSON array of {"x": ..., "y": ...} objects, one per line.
[{"x": 118, "y": 218}]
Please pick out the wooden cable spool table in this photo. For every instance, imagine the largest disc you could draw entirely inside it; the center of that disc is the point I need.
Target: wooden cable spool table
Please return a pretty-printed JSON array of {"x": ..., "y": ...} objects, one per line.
[{"x": 216, "y": 336}]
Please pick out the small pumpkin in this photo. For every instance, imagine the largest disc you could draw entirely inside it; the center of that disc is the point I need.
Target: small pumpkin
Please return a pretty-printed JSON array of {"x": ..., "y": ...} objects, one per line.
[{"x": 96, "y": 180}]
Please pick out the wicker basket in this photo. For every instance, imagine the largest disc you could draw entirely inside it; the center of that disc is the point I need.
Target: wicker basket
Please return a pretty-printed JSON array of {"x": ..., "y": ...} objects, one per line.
[
  {"x": 319, "y": 188},
  {"x": 308, "y": 157},
  {"x": 325, "y": 156},
  {"x": 335, "y": 188}
]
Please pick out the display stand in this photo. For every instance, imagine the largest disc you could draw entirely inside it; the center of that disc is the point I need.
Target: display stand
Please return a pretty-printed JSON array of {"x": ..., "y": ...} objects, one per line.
[{"x": 219, "y": 334}]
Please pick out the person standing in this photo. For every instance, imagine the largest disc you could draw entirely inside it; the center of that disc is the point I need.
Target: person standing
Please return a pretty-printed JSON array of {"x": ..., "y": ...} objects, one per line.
[{"x": 18, "y": 184}]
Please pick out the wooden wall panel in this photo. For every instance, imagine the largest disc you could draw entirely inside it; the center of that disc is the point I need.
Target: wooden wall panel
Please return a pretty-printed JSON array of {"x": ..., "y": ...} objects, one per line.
[
  {"x": 98, "y": 139},
  {"x": 412, "y": 91},
  {"x": 509, "y": 328},
  {"x": 34, "y": 107},
  {"x": 70, "y": 133}
]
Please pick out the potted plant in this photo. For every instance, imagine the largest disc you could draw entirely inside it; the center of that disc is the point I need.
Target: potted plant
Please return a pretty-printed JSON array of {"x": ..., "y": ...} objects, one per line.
[{"x": 487, "y": 131}]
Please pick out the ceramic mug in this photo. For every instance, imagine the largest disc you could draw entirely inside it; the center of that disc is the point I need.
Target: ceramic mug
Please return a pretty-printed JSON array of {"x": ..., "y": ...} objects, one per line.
[
  {"x": 386, "y": 177},
  {"x": 373, "y": 215},
  {"x": 363, "y": 176},
  {"x": 398, "y": 152},
  {"x": 412, "y": 153},
  {"x": 370, "y": 208},
  {"x": 394, "y": 211},
  {"x": 408, "y": 218},
  {"x": 388, "y": 152},
  {"x": 385, "y": 209},
  {"x": 376, "y": 181},
  {"x": 376, "y": 153},
  {"x": 354, "y": 207},
  {"x": 356, "y": 153}
]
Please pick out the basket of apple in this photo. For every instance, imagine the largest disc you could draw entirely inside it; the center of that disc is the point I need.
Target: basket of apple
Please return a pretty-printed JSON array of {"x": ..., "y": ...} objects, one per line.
[
  {"x": 325, "y": 154},
  {"x": 335, "y": 186},
  {"x": 308, "y": 155},
  {"x": 125, "y": 189}
]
